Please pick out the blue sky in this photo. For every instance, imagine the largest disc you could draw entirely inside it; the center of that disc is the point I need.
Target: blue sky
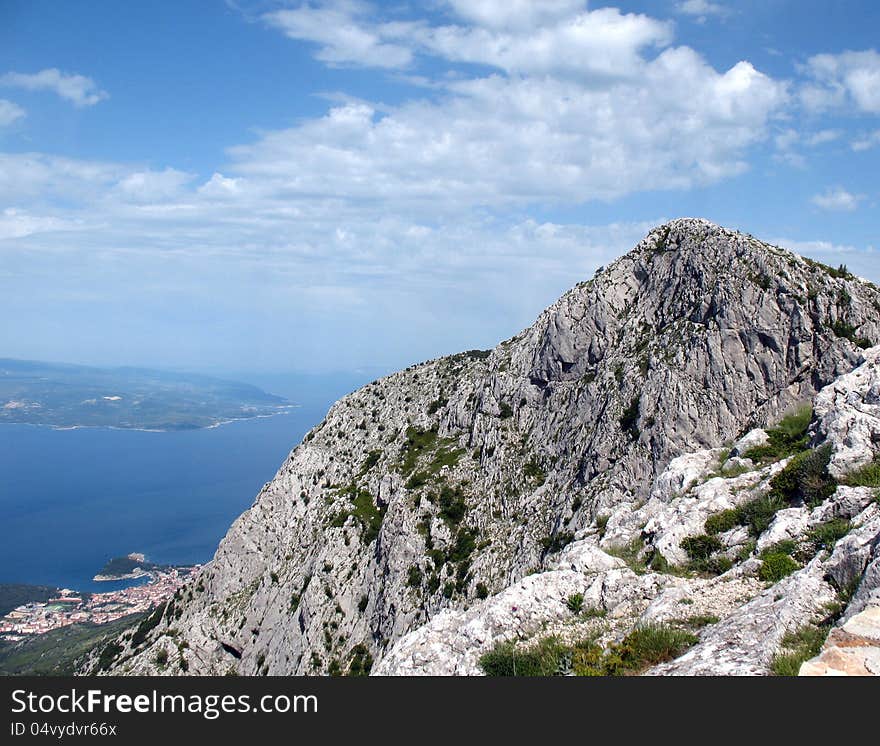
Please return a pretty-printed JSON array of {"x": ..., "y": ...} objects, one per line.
[{"x": 266, "y": 186}]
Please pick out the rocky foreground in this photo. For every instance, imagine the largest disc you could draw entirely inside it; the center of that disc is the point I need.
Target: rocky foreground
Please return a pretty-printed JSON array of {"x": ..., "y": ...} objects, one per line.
[{"x": 685, "y": 447}]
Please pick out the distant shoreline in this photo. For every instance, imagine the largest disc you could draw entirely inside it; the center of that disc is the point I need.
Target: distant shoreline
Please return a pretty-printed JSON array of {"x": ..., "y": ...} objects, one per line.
[{"x": 284, "y": 410}]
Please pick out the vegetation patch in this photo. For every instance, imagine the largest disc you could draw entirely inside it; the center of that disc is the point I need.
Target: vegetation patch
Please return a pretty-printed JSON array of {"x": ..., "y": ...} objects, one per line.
[
  {"x": 866, "y": 476},
  {"x": 366, "y": 513},
  {"x": 146, "y": 626},
  {"x": 556, "y": 542},
  {"x": 360, "y": 662},
  {"x": 575, "y": 603},
  {"x": 826, "y": 535},
  {"x": 702, "y": 552},
  {"x": 786, "y": 438},
  {"x": 805, "y": 479},
  {"x": 776, "y": 565},
  {"x": 645, "y": 646},
  {"x": 630, "y": 418},
  {"x": 845, "y": 330},
  {"x": 369, "y": 462},
  {"x": 631, "y": 554},
  {"x": 534, "y": 472},
  {"x": 719, "y": 523},
  {"x": 798, "y": 646}
]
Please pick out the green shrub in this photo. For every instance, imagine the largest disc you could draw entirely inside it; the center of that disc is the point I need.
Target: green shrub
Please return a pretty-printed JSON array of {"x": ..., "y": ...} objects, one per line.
[
  {"x": 805, "y": 479},
  {"x": 650, "y": 644},
  {"x": 360, "y": 661},
  {"x": 602, "y": 524},
  {"x": 452, "y": 505},
  {"x": 758, "y": 514},
  {"x": 701, "y": 547},
  {"x": 787, "y": 437},
  {"x": 482, "y": 590},
  {"x": 147, "y": 625},
  {"x": 826, "y": 535},
  {"x": 162, "y": 658},
  {"x": 505, "y": 410},
  {"x": 556, "y": 542},
  {"x": 415, "y": 576},
  {"x": 370, "y": 461},
  {"x": 866, "y": 476},
  {"x": 718, "y": 523},
  {"x": 532, "y": 470},
  {"x": 845, "y": 330},
  {"x": 362, "y": 604},
  {"x": 575, "y": 603},
  {"x": 542, "y": 659},
  {"x": 465, "y": 543},
  {"x": 645, "y": 646},
  {"x": 799, "y": 646},
  {"x": 109, "y": 653},
  {"x": 630, "y": 418},
  {"x": 776, "y": 566}
]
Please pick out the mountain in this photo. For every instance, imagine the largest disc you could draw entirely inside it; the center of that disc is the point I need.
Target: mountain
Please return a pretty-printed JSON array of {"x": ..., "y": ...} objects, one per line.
[
  {"x": 445, "y": 510},
  {"x": 63, "y": 395}
]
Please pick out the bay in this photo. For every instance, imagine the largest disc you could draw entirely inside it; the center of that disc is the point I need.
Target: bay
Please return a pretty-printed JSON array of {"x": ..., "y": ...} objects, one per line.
[{"x": 72, "y": 499}]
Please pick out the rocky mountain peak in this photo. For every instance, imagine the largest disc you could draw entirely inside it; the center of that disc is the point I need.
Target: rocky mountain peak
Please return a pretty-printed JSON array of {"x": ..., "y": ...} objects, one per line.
[{"x": 440, "y": 485}]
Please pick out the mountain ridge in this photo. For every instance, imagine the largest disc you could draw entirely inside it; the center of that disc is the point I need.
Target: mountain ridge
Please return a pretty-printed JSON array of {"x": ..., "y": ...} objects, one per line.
[{"x": 440, "y": 485}]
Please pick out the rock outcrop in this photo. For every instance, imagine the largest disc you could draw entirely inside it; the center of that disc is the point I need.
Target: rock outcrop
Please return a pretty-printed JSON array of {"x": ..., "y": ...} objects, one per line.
[{"x": 460, "y": 502}]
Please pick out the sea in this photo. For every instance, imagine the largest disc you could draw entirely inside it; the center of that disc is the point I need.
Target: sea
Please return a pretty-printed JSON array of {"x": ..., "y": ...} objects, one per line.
[{"x": 70, "y": 500}]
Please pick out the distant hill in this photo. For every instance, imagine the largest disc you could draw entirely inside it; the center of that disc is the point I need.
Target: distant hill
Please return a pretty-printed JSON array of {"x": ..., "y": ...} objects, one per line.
[
  {"x": 64, "y": 395},
  {"x": 16, "y": 594}
]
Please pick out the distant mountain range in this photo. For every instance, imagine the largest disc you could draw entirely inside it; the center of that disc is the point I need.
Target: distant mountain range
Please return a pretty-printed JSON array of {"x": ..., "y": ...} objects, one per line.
[{"x": 63, "y": 395}]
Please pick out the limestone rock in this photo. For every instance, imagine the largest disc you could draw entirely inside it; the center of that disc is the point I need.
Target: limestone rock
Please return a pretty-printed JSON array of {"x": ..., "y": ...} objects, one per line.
[{"x": 426, "y": 490}]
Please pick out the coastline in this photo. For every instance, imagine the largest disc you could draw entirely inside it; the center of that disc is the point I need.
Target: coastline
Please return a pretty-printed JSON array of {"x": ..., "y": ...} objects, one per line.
[{"x": 283, "y": 410}]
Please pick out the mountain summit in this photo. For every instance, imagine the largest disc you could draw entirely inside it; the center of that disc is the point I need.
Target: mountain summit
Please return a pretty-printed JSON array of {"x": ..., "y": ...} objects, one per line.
[{"x": 426, "y": 496}]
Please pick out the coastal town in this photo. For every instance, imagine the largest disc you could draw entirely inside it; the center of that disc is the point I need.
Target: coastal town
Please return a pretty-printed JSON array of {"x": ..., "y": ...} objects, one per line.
[{"x": 70, "y": 607}]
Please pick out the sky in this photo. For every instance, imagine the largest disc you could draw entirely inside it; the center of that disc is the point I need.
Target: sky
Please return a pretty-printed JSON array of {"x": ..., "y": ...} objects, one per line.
[{"x": 266, "y": 186}]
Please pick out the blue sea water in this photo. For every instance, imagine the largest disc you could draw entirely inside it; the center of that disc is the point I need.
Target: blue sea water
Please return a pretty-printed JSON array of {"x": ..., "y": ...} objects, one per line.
[{"x": 72, "y": 499}]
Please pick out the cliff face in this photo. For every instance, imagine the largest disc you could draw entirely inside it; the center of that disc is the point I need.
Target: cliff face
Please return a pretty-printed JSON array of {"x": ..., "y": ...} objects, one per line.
[{"x": 452, "y": 480}]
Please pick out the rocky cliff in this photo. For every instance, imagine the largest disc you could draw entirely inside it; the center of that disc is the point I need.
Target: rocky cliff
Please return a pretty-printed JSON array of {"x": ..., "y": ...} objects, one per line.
[{"x": 483, "y": 488}]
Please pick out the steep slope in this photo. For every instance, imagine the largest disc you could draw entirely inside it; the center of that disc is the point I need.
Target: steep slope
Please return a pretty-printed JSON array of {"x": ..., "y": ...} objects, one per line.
[{"x": 451, "y": 480}]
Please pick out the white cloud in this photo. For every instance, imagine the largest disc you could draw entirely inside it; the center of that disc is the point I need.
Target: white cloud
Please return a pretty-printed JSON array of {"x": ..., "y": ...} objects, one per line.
[
  {"x": 846, "y": 79},
  {"x": 866, "y": 141},
  {"x": 220, "y": 186},
  {"x": 78, "y": 89},
  {"x": 514, "y": 13},
  {"x": 153, "y": 186},
  {"x": 15, "y": 223},
  {"x": 514, "y": 36},
  {"x": 837, "y": 198},
  {"x": 789, "y": 140},
  {"x": 702, "y": 9},
  {"x": 9, "y": 112},
  {"x": 344, "y": 34}
]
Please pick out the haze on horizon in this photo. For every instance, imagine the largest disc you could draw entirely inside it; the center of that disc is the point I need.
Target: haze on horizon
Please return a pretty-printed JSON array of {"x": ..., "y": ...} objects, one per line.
[{"x": 265, "y": 186}]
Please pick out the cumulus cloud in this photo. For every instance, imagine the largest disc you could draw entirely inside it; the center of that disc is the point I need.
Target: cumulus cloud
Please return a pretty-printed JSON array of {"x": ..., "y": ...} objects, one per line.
[
  {"x": 9, "y": 112},
  {"x": 518, "y": 36},
  {"x": 78, "y": 89},
  {"x": 344, "y": 34},
  {"x": 837, "y": 198},
  {"x": 846, "y": 79}
]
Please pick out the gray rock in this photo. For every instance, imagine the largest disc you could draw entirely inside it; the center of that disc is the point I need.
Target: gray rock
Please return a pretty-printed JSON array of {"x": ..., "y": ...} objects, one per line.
[{"x": 696, "y": 336}]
